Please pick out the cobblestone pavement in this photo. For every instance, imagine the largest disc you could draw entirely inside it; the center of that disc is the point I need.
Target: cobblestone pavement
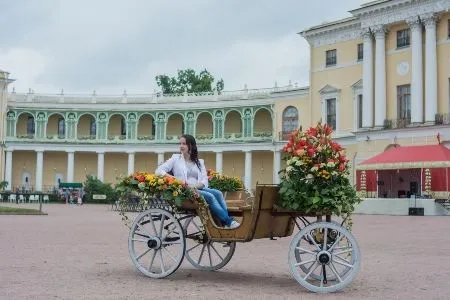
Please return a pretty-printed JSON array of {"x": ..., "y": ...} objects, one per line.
[{"x": 81, "y": 253}]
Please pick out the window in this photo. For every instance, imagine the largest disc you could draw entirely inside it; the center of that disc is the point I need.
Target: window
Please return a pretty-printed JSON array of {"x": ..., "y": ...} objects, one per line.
[
  {"x": 360, "y": 110},
  {"x": 331, "y": 113},
  {"x": 360, "y": 51},
  {"x": 331, "y": 58},
  {"x": 123, "y": 127},
  {"x": 403, "y": 39},
  {"x": 93, "y": 127},
  {"x": 448, "y": 28},
  {"x": 404, "y": 102},
  {"x": 30, "y": 125},
  {"x": 153, "y": 128},
  {"x": 290, "y": 119},
  {"x": 61, "y": 127}
]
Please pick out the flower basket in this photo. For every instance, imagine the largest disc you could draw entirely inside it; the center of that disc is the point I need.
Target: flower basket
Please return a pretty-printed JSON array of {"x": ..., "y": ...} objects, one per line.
[
  {"x": 315, "y": 179},
  {"x": 148, "y": 186},
  {"x": 223, "y": 183}
]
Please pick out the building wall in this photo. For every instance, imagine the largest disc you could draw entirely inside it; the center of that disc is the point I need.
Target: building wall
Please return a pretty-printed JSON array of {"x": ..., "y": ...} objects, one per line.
[
  {"x": 84, "y": 124},
  {"x": 302, "y": 104},
  {"x": 52, "y": 124},
  {"x": 115, "y": 125},
  {"x": 145, "y": 125},
  {"x": 85, "y": 164},
  {"x": 204, "y": 124}
]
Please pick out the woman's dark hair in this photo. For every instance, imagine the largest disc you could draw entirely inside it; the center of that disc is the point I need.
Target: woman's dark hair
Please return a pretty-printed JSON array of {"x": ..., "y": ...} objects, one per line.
[{"x": 192, "y": 146}]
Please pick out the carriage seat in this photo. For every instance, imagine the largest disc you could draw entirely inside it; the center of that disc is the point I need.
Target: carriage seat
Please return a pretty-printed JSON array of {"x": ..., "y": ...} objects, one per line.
[{"x": 238, "y": 201}]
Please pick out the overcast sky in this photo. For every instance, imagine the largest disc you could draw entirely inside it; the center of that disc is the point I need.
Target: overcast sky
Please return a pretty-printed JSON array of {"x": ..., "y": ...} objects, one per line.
[{"x": 112, "y": 45}]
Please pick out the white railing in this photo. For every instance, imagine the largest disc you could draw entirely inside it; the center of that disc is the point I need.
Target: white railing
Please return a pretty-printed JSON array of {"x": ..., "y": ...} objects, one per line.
[{"x": 31, "y": 96}]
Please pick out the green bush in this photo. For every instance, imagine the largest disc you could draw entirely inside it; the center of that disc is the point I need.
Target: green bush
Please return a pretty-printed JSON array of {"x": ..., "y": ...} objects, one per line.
[{"x": 94, "y": 186}]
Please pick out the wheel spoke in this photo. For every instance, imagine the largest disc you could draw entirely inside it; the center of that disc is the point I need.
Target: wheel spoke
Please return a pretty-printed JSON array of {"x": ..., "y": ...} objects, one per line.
[
  {"x": 145, "y": 252},
  {"x": 209, "y": 254},
  {"x": 335, "y": 272},
  {"x": 312, "y": 239},
  {"x": 305, "y": 251},
  {"x": 161, "y": 260},
  {"x": 321, "y": 277},
  {"x": 151, "y": 261},
  {"x": 342, "y": 263},
  {"x": 312, "y": 270},
  {"x": 343, "y": 251},
  {"x": 163, "y": 218},
  {"x": 343, "y": 259},
  {"x": 201, "y": 254},
  {"x": 171, "y": 243},
  {"x": 189, "y": 250},
  {"x": 304, "y": 262},
  {"x": 325, "y": 236},
  {"x": 140, "y": 240},
  {"x": 336, "y": 242},
  {"x": 212, "y": 246},
  {"x": 170, "y": 255},
  {"x": 144, "y": 230},
  {"x": 153, "y": 223}
]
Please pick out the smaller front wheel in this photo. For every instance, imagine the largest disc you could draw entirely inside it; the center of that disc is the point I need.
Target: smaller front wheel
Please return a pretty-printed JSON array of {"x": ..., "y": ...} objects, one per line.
[
  {"x": 324, "y": 257},
  {"x": 156, "y": 243},
  {"x": 203, "y": 253}
]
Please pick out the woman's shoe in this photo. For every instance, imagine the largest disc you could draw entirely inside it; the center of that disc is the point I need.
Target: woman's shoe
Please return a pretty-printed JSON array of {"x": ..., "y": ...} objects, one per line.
[{"x": 234, "y": 225}]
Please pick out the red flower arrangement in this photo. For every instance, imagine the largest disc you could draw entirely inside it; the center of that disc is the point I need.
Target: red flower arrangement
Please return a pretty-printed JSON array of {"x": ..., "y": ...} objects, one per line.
[{"x": 316, "y": 174}]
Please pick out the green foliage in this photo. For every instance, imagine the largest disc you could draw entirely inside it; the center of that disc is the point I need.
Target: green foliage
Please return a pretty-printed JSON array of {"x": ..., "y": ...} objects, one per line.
[
  {"x": 187, "y": 80},
  {"x": 93, "y": 186},
  {"x": 3, "y": 185},
  {"x": 335, "y": 196}
]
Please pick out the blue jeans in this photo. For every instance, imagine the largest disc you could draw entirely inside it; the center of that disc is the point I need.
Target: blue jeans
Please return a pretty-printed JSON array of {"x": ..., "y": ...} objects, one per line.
[{"x": 216, "y": 204}]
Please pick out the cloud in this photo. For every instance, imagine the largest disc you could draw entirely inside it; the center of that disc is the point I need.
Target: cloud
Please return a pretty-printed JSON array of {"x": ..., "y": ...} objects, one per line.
[{"x": 114, "y": 45}]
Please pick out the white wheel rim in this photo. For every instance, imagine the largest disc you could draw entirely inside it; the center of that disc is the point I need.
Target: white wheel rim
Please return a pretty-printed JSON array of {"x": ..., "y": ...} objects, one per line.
[
  {"x": 156, "y": 243},
  {"x": 340, "y": 258},
  {"x": 204, "y": 254}
]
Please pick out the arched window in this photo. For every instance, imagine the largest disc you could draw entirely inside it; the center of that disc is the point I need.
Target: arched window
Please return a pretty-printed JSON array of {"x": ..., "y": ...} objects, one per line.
[
  {"x": 61, "y": 127},
  {"x": 123, "y": 127},
  {"x": 93, "y": 127},
  {"x": 290, "y": 119},
  {"x": 30, "y": 125}
]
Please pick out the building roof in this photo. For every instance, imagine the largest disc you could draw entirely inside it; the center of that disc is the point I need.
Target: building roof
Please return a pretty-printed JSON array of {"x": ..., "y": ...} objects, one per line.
[{"x": 409, "y": 157}]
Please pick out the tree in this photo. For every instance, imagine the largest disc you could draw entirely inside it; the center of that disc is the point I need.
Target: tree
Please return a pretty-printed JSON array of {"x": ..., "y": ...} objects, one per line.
[
  {"x": 3, "y": 185},
  {"x": 187, "y": 80}
]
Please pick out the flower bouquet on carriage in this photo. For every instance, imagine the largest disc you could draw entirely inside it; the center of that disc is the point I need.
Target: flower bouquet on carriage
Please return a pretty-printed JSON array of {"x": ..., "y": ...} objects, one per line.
[
  {"x": 315, "y": 180},
  {"x": 147, "y": 187}
]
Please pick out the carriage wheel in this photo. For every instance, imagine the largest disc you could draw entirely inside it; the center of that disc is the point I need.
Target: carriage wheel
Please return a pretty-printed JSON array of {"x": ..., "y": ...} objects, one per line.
[
  {"x": 324, "y": 257},
  {"x": 201, "y": 252},
  {"x": 156, "y": 243},
  {"x": 300, "y": 256}
]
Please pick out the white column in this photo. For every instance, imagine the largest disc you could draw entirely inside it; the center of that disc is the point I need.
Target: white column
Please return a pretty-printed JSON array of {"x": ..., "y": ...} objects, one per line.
[
  {"x": 8, "y": 170},
  {"x": 276, "y": 166},
  {"x": 219, "y": 162},
  {"x": 380, "y": 76},
  {"x": 248, "y": 170},
  {"x": 367, "y": 80},
  {"x": 160, "y": 158},
  {"x": 416, "y": 71},
  {"x": 101, "y": 166},
  {"x": 323, "y": 104},
  {"x": 39, "y": 169},
  {"x": 430, "y": 69},
  {"x": 70, "y": 165},
  {"x": 130, "y": 163}
]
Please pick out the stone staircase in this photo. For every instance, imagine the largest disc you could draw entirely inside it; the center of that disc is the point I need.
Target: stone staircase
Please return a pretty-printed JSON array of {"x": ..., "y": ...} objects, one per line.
[{"x": 445, "y": 203}]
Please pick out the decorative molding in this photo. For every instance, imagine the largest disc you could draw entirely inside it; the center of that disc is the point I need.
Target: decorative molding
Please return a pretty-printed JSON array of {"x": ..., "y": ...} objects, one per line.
[
  {"x": 403, "y": 68},
  {"x": 338, "y": 66},
  {"x": 331, "y": 33},
  {"x": 380, "y": 31},
  {"x": 390, "y": 12}
]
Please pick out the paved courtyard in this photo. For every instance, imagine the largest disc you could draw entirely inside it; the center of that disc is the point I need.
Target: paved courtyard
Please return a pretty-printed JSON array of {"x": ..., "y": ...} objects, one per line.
[{"x": 81, "y": 253}]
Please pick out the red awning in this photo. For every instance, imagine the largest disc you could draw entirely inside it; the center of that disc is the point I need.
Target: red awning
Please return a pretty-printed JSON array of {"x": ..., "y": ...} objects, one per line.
[{"x": 409, "y": 157}]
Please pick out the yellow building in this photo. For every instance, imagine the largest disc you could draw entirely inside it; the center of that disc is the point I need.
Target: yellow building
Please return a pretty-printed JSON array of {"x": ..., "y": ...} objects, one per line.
[
  {"x": 381, "y": 76},
  {"x": 378, "y": 77}
]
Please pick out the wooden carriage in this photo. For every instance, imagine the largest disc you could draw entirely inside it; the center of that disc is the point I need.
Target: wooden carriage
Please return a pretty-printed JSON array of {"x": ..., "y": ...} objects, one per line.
[{"x": 323, "y": 255}]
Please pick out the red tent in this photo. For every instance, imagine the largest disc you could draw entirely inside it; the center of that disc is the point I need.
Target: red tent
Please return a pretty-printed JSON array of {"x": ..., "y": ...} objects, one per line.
[
  {"x": 433, "y": 157},
  {"x": 408, "y": 157}
]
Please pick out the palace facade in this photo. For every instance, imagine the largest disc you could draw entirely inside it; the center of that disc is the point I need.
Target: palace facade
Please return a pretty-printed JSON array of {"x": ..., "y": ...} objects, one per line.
[{"x": 380, "y": 78}]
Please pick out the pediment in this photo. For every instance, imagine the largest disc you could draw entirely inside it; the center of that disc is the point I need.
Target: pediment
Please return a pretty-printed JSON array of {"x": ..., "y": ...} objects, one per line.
[{"x": 329, "y": 89}]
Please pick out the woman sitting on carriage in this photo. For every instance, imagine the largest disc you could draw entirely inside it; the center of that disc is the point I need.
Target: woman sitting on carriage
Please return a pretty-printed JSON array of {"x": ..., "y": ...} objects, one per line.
[{"x": 187, "y": 167}]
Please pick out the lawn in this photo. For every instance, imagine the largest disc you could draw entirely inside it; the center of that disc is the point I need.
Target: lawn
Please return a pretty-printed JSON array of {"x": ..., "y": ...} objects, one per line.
[{"x": 19, "y": 211}]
